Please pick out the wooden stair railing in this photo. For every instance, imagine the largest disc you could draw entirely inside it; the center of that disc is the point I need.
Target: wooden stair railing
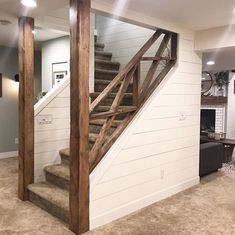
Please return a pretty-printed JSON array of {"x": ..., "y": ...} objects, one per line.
[{"x": 166, "y": 56}]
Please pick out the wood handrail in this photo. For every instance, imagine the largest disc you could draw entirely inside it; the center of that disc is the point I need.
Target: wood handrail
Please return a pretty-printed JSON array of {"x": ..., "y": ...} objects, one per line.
[
  {"x": 126, "y": 69},
  {"x": 165, "y": 55}
]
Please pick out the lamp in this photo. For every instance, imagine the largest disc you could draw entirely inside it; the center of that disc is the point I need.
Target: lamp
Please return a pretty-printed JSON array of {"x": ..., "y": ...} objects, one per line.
[{"x": 29, "y": 3}]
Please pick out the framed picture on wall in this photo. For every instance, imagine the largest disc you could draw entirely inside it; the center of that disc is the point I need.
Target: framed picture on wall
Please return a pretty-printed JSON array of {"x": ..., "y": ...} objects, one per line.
[{"x": 60, "y": 71}]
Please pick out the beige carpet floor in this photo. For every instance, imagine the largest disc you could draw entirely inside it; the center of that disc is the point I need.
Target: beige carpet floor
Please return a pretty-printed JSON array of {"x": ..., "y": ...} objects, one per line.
[{"x": 208, "y": 208}]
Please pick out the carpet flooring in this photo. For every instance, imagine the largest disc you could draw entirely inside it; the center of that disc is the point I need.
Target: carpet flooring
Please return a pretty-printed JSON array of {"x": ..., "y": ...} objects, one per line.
[{"x": 206, "y": 209}]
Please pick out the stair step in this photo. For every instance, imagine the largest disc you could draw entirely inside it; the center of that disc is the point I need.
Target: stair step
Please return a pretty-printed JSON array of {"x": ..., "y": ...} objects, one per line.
[
  {"x": 100, "y": 85},
  {"x": 59, "y": 175},
  {"x": 101, "y": 55},
  {"x": 108, "y": 65},
  {"x": 127, "y": 99},
  {"x": 64, "y": 155},
  {"x": 99, "y": 46},
  {"x": 104, "y": 74},
  {"x": 52, "y": 199},
  {"x": 96, "y": 125}
]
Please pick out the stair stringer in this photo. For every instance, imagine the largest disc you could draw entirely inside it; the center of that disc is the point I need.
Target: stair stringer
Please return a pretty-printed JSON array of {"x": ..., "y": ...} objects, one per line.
[
  {"x": 51, "y": 137},
  {"x": 151, "y": 160}
]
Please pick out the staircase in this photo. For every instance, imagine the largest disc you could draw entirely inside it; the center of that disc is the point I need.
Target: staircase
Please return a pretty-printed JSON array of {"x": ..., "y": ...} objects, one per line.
[
  {"x": 53, "y": 194},
  {"x": 117, "y": 98}
]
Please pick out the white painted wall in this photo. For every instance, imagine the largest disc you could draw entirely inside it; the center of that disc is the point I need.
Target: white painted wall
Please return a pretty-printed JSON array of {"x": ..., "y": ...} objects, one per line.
[
  {"x": 124, "y": 40},
  {"x": 53, "y": 136},
  {"x": 231, "y": 108},
  {"x": 216, "y": 38},
  {"x": 58, "y": 50},
  {"x": 158, "y": 154}
]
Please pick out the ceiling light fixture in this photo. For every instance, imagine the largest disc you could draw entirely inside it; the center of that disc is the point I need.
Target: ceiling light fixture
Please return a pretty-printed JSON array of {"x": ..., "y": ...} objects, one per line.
[
  {"x": 34, "y": 32},
  {"x": 29, "y": 3},
  {"x": 210, "y": 62}
]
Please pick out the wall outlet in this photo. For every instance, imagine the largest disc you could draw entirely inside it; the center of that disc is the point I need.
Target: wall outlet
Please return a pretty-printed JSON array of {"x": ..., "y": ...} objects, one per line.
[
  {"x": 44, "y": 119},
  {"x": 162, "y": 174},
  {"x": 182, "y": 117},
  {"x": 16, "y": 141}
]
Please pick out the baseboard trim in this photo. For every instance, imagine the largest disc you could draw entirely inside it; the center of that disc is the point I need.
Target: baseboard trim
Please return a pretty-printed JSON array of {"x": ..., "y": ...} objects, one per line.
[
  {"x": 141, "y": 203},
  {"x": 8, "y": 154}
]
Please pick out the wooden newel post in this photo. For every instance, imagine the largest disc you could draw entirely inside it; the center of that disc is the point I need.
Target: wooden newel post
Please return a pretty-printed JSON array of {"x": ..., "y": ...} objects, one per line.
[
  {"x": 136, "y": 86},
  {"x": 79, "y": 88},
  {"x": 26, "y": 106}
]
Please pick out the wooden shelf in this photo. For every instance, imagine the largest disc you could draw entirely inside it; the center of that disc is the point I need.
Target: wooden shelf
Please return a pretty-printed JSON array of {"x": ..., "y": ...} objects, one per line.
[{"x": 214, "y": 100}]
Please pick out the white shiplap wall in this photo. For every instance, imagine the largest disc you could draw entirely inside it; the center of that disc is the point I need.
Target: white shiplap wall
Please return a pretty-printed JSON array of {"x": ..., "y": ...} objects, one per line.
[
  {"x": 50, "y": 138},
  {"x": 158, "y": 154}
]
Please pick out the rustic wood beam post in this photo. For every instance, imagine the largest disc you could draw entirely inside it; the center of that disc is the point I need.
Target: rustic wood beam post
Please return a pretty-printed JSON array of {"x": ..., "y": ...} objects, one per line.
[
  {"x": 79, "y": 131},
  {"x": 136, "y": 86},
  {"x": 26, "y": 106}
]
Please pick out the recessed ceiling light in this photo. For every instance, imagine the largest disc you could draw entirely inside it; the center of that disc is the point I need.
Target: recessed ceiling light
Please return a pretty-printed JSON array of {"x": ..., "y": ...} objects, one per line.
[
  {"x": 29, "y": 3},
  {"x": 210, "y": 62}
]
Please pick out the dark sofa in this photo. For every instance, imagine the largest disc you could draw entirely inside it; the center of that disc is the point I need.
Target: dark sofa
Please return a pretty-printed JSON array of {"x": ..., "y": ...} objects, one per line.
[{"x": 211, "y": 157}]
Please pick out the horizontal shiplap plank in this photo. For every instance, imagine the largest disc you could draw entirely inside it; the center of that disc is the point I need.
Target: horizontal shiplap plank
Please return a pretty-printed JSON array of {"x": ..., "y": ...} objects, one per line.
[
  {"x": 165, "y": 123},
  {"x": 59, "y": 113},
  {"x": 59, "y": 102},
  {"x": 57, "y": 124},
  {"x": 183, "y": 89},
  {"x": 187, "y": 67},
  {"x": 167, "y": 100},
  {"x": 161, "y": 136},
  {"x": 182, "y": 78},
  {"x": 51, "y": 135},
  {"x": 152, "y": 149},
  {"x": 51, "y": 146},
  {"x": 65, "y": 93},
  {"x": 123, "y": 169},
  {"x": 140, "y": 177},
  {"x": 98, "y": 207}
]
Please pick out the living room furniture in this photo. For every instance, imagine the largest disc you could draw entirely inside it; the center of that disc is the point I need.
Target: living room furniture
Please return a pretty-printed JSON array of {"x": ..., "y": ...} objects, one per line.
[
  {"x": 211, "y": 157},
  {"x": 228, "y": 145}
]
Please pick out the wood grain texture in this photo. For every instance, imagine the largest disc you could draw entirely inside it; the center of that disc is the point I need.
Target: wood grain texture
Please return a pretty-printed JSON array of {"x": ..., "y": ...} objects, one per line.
[
  {"x": 26, "y": 106},
  {"x": 79, "y": 90}
]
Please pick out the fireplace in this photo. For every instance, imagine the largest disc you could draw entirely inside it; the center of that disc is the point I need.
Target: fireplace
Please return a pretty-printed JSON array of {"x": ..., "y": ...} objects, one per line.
[{"x": 208, "y": 118}]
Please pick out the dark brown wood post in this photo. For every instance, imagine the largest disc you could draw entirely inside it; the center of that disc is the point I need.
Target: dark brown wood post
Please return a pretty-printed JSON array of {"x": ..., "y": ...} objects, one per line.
[
  {"x": 26, "y": 106},
  {"x": 79, "y": 147},
  {"x": 136, "y": 86},
  {"x": 174, "y": 46}
]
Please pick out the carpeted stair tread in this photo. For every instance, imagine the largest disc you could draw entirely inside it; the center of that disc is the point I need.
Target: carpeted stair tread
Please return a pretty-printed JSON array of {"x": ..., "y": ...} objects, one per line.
[
  {"x": 111, "y": 95},
  {"x": 100, "y": 122},
  {"x": 50, "y": 198},
  {"x": 103, "y": 55},
  {"x": 108, "y": 71},
  {"x": 107, "y": 62},
  {"x": 59, "y": 170},
  {"x": 105, "y": 108},
  {"x": 51, "y": 193},
  {"x": 100, "y": 45}
]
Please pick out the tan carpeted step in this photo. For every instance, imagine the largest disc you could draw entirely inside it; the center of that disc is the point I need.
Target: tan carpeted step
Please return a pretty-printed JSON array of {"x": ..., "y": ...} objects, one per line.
[
  {"x": 50, "y": 198},
  {"x": 100, "y": 85},
  {"x": 99, "y": 46},
  {"x": 127, "y": 99},
  {"x": 104, "y": 74},
  {"x": 96, "y": 125},
  {"x": 107, "y": 65},
  {"x": 59, "y": 175},
  {"x": 101, "y": 55}
]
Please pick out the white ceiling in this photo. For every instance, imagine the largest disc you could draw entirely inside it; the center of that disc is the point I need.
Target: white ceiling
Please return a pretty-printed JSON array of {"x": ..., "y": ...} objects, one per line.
[{"x": 52, "y": 15}]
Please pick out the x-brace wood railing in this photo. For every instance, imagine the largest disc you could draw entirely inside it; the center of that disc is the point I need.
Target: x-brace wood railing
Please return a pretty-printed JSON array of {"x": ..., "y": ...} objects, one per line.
[{"x": 166, "y": 56}]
